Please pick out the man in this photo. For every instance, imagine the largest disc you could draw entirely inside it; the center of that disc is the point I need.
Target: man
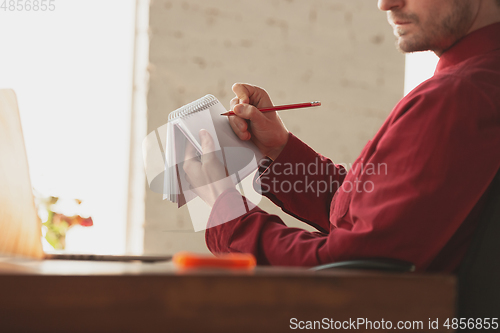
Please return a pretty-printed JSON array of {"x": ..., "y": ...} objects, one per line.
[{"x": 441, "y": 146}]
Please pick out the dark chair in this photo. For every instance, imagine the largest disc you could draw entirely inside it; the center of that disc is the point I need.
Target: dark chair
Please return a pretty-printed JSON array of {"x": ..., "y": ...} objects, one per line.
[
  {"x": 479, "y": 274},
  {"x": 378, "y": 264}
]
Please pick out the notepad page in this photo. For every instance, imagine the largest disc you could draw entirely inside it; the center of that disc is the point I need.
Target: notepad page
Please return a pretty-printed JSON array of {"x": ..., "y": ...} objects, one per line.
[
  {"x": 240, "y": 160},
  {"x": 182, "y": 131}
]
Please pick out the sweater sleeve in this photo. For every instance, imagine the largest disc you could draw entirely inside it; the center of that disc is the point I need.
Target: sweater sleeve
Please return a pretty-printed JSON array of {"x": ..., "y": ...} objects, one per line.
[
  {"x": 440, "y": 147},
  {"x": 302, "y": 183}
]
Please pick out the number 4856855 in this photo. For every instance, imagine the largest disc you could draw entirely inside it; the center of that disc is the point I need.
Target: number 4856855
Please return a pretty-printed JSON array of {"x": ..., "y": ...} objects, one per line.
[
  {"x": 471, "y": 323},
  {"x": 28, "y": 5}
]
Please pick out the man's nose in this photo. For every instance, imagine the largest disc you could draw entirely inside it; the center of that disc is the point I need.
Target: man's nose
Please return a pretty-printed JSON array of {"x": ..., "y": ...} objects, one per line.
[{"x": 387, "y": 5}]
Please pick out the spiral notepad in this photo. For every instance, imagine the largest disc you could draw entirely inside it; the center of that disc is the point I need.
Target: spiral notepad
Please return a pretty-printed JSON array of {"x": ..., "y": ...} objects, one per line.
[{"x": 184, "y": 124}]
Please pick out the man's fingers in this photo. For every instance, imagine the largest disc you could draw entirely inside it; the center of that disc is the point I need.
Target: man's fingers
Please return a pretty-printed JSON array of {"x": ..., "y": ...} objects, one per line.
[
  {"x": 207, "y": 147},
  {"x": 207, "y": 143},
  {"x": 191, "y": 152},
  {"x": 240, "y": 127},
  {"x": 249, "y": 94},
  {"x": 250, "y": 112},
  {"x": 243, "y": 92},
  {"x": 235, "y": 101}
]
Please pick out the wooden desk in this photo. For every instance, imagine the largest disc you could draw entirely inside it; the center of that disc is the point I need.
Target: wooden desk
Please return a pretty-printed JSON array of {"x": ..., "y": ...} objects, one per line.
[{"x": 69, "y": 296}]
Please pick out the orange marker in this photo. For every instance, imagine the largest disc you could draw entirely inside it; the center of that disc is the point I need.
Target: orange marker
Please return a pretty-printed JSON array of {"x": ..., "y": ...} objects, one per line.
[{"x": 229, "y": 260}]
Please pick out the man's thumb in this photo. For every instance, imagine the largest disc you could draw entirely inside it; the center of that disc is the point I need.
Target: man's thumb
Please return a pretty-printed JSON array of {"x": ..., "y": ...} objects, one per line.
[{"x": 207, "y": 143}]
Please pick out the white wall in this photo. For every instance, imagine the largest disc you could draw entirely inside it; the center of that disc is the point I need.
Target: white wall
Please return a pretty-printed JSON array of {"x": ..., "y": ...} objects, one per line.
[
  {"x": 419, "y": 67},
  {"x": 339, "y": 52}
]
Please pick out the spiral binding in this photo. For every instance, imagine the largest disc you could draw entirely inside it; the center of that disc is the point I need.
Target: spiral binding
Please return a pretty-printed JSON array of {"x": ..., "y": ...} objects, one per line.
[{"x": 198, "y": 105}]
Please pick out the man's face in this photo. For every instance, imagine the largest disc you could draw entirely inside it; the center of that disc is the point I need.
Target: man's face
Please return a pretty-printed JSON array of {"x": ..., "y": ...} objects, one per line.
[{"x": 422, "y": 25}]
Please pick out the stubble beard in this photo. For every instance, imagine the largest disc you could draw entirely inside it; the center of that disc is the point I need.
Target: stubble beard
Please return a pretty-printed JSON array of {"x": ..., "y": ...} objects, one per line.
[{"x": 437, "y": 33}]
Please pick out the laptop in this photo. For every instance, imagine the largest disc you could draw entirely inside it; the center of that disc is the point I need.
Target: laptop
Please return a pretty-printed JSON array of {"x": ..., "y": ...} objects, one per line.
[{"x": 20, "y": 226}]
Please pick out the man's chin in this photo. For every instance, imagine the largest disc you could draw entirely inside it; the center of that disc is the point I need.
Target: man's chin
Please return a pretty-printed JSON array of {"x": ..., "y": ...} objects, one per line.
[{"x": 407, "y": 45}]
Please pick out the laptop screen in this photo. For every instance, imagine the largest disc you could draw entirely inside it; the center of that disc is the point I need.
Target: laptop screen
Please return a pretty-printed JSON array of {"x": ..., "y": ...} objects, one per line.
[{"x": 20, "y": 228}]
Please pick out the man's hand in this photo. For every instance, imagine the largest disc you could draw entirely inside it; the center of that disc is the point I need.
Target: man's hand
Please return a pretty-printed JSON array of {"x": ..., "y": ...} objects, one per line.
[
  {"x": 207, "y": 177},
  {"x": 266, "y": 130}
]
